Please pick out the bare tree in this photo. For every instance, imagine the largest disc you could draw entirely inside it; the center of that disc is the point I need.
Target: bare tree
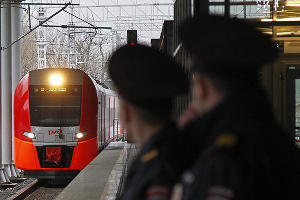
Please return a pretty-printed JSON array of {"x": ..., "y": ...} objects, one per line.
[
  {"x": 89, "y": 51},
  {"x": 92, "y": 58},
  {"x": 57, "y": 49},
  {"x": 29, "y": 59}
]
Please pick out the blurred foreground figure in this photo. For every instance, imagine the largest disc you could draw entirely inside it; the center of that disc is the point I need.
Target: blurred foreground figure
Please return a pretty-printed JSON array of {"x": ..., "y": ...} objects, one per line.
[
  {"x": 243, "y": 154},
  {"x": 147, "y": 83}
]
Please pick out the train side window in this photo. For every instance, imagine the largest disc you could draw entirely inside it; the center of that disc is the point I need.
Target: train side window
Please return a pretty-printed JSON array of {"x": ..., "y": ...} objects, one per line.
[{"x": 297, "y": 111}]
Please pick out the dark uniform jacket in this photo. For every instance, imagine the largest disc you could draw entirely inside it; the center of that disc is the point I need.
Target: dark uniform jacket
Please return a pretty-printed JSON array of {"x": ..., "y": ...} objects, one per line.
[
  {"x": 243, "y": 154},
  {"x": 156, "y": 168}
]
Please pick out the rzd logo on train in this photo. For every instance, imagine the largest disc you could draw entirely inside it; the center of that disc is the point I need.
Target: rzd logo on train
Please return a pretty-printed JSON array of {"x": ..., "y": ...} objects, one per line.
[{"x": 52, "y": 132}]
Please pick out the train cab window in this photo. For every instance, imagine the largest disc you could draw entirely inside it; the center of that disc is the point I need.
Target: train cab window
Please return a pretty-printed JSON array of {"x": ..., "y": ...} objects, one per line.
[{"x": 54, "y": 108}]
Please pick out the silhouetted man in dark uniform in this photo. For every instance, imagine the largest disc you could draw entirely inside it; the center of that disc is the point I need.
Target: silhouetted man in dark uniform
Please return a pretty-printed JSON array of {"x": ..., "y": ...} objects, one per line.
[
  {"x": 147, "y": 83},
  {"x": 243, "y": 154}
]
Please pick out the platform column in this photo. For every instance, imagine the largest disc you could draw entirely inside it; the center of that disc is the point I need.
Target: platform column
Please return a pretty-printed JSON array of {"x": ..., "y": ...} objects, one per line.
[
  {"x": 6, "y": 117},
  {"x": 16, "y": 67}
]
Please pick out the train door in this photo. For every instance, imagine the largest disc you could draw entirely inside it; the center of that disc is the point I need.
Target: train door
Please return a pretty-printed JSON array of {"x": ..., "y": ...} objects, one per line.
[
  {"x": 99, "y": 127},
  {"x": 104, "y": 119},
  {"x": 101, "y": 115},
  {"x": 293, "y": 101},
  {"x": 115, "y": 120},
  {"x": 109, "y": 117}
]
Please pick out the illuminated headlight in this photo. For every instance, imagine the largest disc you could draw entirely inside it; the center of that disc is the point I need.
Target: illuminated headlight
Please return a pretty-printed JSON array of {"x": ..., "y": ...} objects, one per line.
[
  {"x": 56, "y": 79},
  {"x": 80, "y": 135},
  {"x": 29, "y": 135}
]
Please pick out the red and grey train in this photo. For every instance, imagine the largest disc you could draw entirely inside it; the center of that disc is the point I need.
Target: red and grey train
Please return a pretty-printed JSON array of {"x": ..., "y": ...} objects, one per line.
[{"x": 62, "y": 119}]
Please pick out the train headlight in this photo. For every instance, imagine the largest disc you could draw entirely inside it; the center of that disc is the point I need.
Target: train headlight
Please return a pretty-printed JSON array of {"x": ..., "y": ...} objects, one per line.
[
  {"x": 29, "y": 135},
  {"x": 56, "y": 79},
  {"x": 80, "y": 135}
]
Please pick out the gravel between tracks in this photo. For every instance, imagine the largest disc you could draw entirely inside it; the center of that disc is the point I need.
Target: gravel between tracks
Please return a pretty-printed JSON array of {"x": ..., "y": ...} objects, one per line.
[
  {"x": 44, "y": 193},
  {"x": 10, "y": 193}
]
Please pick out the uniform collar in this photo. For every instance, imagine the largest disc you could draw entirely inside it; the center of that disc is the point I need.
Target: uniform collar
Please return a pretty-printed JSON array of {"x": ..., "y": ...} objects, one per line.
[
  {"x": 241, "y": 108},
  {"x": 158, "y": 138}
]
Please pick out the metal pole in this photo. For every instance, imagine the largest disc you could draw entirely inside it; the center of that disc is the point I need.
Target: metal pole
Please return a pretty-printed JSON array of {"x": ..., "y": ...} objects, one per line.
[
  {"x": 113, "y": 41},
  {"x": 29, "y": 17},
  {"x": 16, "y": 67},
  {"x": 118, "y": 40},
  {"x": 200, "y": 7},
  {"x": 2, "y": 177},
  {"x": 245, "y": 9},
  {"x": 274, "y": 17},
  {"x": 227, "y": 8},
  {"x": 6, "y": 89}
]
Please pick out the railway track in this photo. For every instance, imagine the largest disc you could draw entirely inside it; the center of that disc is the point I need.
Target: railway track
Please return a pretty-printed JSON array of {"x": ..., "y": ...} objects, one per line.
[{"x": 43, "y": 191}]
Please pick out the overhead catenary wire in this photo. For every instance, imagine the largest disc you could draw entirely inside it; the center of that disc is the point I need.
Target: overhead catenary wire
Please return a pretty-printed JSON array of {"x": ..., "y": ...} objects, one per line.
[
  {"x": 71, "y": 26},
  {"x": 40, "y": 24},
  {"x": 80, "y": 18}
]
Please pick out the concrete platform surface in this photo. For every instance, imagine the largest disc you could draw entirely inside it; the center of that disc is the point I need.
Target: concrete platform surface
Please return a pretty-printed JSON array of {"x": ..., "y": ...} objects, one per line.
[{"x": 101, "y": 179}]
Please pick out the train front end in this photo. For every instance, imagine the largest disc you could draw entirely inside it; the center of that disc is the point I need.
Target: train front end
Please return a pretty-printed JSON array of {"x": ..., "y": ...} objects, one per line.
[{"x": 55, "y": 123}]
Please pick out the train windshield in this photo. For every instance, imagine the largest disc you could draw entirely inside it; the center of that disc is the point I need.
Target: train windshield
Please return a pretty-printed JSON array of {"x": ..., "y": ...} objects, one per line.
[{"x": 55, "y": 107}]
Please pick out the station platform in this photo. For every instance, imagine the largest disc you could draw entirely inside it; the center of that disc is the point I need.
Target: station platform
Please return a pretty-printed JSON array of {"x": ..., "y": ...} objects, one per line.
[{"x": 103, "y": 177}]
